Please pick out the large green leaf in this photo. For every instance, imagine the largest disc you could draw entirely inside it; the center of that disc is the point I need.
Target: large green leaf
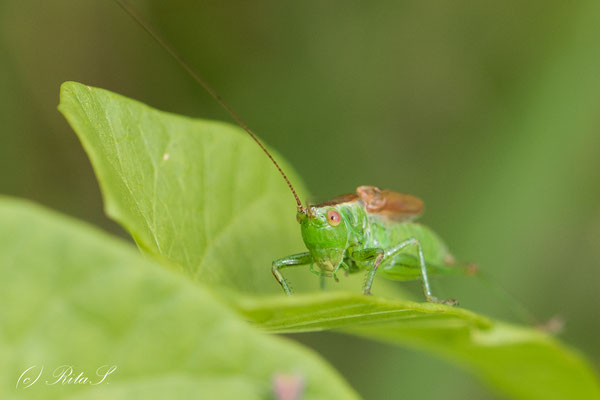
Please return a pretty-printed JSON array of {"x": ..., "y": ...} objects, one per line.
[
  {"x": 126, "y": 141},
  {"x": 198, "y": 193},
  {"x": 523, "y": 362},
  {"x": 72, "y": 295}
]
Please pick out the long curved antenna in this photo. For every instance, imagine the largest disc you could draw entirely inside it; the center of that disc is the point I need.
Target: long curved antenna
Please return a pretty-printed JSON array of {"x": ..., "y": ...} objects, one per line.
[{"x": 210, "y": 91}]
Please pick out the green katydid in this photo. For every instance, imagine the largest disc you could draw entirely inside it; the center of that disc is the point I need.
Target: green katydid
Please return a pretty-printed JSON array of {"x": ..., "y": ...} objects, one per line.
[{"x": 371, "y": 230}]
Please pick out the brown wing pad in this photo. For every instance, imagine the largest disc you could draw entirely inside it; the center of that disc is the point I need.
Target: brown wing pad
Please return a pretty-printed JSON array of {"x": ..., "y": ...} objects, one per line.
[
  {"x": 343, "y": 198},
  {"x": 391, "y": 205}
]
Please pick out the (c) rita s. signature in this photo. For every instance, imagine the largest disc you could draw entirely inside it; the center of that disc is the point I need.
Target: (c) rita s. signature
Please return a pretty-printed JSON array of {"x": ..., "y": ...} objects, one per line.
[{"x": 64, "y": 375}]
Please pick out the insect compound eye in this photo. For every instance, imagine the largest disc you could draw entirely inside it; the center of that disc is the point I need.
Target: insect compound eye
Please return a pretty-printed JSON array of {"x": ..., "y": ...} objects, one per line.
[{"x": 333, "y": 217}]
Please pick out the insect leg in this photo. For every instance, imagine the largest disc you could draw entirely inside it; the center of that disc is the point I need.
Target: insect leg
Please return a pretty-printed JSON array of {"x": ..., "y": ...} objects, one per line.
[
  {"x": 334, "y": 273},
  {"x": 322, "y": 275},
  {"x": 294, "y": 260},
  {"x": 426, "y": 288},
  {"x": 376, "y": 255}
]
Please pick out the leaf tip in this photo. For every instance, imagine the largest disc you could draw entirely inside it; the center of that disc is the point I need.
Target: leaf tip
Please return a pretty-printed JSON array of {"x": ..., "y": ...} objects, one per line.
[{"x": 67, "y": 90}]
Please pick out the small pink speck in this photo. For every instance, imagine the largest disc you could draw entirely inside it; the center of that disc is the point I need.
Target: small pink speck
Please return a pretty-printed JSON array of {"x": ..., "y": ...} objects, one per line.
[
  {"x": 166, "y": 156},
  {"x": 288, "y": 387}
]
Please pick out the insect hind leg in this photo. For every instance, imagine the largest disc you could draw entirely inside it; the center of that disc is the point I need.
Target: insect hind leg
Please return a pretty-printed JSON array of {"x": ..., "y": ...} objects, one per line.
[{"x": 426, "y": 287}]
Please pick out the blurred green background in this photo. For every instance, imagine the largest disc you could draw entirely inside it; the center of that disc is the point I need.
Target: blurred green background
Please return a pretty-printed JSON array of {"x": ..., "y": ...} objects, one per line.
[{"x": 489, "y": 111}]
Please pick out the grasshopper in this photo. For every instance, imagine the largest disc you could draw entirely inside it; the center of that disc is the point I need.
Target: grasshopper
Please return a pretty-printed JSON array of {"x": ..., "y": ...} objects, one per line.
[{"x": 371, "y": 230}]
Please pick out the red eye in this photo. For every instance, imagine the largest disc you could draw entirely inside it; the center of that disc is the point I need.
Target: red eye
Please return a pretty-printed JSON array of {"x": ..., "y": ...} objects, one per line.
[{"x": 333, "y": 217}]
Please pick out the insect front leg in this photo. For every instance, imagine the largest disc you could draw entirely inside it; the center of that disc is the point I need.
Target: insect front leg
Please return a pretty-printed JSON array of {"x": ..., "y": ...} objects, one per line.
[
  {"x": 426, "y": 288},
  {"x": 322, "y": 275},
  {"x": 340, "y": 265},
  {"x": 374, "y": 254},
  {"x": 294, "y": 260}
]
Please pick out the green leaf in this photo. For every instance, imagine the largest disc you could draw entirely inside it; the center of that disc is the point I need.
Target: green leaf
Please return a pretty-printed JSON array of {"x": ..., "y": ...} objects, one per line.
[
  {"x": 125, "y": 139},
  {"x": 320, "y": 311},
  {"x": 200, "y": 194},
  {"x": 522, "y": 362},
  {"x": 80, "y": 297}
]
